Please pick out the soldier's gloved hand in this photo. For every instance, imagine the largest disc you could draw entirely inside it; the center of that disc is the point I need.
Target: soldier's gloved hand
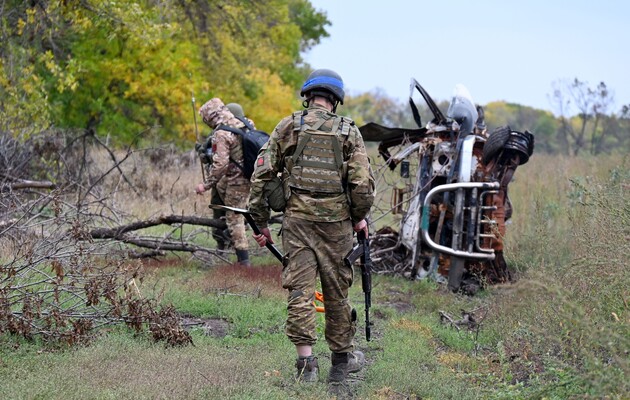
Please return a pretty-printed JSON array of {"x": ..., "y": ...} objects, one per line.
[
  {"x": 361, "y": 226},
  {"x": 264, "y": 236},
  {"x": 200, "y": 188}
]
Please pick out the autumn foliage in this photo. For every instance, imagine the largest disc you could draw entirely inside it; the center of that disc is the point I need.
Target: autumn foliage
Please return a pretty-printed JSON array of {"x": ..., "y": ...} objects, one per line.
[{"x": 129, "y": 68}]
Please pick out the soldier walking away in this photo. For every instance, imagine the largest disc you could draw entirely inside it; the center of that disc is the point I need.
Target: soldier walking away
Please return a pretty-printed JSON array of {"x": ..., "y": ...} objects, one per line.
[
  {"x": 223, "y": 237},
  {"x": 327, "y": 191},
  {"x": 225, "y": 177}
]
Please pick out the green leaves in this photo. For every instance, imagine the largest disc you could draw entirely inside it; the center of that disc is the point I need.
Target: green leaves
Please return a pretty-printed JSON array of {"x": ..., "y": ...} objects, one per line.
[{"x": 129, "y": 66}]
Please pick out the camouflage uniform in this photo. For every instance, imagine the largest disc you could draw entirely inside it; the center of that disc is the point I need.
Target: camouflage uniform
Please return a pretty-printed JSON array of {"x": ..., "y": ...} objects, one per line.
[
  {"x": 225, "y": 176},
  {"x": 222, "y": 237},
  {"x": 321, "y": 208}
]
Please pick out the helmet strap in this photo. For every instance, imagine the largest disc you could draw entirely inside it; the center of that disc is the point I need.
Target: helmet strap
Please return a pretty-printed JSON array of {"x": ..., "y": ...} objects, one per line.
[{"x": 328, "y": 96}]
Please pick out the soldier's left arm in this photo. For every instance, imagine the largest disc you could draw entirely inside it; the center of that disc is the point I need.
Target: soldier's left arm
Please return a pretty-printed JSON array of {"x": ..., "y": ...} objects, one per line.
[{"x": 360, "y": 178}]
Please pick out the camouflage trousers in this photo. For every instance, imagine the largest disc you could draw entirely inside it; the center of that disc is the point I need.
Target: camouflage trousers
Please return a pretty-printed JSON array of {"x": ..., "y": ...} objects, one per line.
[
  {"x": 314, "y": 248},
  {"x": 235, "y": 196}
]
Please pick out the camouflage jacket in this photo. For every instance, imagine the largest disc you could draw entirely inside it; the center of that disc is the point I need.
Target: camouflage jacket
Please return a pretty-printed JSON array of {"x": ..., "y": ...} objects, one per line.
[
  {"x": 358, "y": 196},
  {"x": 226, "y": 145}
]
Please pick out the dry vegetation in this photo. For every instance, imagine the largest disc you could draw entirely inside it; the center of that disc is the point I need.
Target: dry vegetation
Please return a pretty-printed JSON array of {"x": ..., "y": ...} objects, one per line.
[
  {"x": 561, "y": 331},
  {"x": 65, "y": 266}
]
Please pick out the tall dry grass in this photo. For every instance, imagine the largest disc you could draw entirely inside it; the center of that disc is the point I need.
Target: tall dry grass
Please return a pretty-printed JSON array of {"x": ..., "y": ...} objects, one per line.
[{"x": 570, "y": 240}]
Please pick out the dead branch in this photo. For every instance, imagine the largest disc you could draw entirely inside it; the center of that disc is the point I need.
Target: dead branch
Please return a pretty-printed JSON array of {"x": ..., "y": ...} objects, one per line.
[
  {"x": 17, "y": 183},
  {"x": 62, "y": 278},
  {"x": 118, "y": 232},
  {"x": 164, "y": 245},
  {"x": 468, "y": 319},
  {"x": 24, "y": 184},
  {"x": 444, "y": 317}
]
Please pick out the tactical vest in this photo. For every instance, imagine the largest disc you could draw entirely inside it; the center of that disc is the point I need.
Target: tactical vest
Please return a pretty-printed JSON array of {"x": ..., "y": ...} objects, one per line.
[{"x": 317, "y": 165}]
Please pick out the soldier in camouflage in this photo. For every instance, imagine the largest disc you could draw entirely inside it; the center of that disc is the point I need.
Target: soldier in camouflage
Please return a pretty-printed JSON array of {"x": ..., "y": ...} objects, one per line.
[
  {"x": 225, "y": 177},
  {"x": 223, "y": 237},
  {"x": 329, "y": 189}
]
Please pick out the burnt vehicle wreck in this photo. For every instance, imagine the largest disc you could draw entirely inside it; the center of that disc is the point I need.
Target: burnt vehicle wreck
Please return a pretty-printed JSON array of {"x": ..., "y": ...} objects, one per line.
[{"x": 453, "y": 210}]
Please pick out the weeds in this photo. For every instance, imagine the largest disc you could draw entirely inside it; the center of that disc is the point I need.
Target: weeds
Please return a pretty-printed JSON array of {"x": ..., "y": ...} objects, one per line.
[{"x": 560, "y": 332}]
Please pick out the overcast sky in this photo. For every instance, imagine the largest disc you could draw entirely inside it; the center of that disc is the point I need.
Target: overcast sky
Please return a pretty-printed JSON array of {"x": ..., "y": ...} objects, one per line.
[{"x": 499, "y": 49}]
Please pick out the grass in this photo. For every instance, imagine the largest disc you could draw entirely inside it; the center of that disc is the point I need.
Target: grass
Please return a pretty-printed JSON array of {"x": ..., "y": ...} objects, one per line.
[{"x": 562, "y": 331}]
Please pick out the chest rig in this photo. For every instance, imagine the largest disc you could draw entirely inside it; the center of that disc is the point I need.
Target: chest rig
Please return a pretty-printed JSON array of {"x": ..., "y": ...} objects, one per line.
[{"x": 317, "y": 165}]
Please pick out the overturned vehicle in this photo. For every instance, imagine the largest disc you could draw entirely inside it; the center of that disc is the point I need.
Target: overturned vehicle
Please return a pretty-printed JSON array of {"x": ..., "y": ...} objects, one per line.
[{"x": 455, "y": 207}]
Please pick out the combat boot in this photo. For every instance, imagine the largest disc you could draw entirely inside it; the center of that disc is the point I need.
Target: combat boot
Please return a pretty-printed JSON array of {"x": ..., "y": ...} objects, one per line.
[
  {"x": 242, "y": 257},
  {"x": 339, "y": 369},
  {"x": 307, "y": 369},
  {"x": 356, "y": 361}
]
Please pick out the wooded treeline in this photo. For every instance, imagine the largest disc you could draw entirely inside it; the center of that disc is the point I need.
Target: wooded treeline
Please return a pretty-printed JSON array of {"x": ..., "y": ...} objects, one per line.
[
  {"x": 129, "y": 68},
  {"x": 583, "y": 121}
]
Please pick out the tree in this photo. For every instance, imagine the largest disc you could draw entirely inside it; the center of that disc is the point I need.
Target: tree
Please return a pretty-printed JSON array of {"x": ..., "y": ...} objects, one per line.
[
  {"x": 129, "y": 66},
  {"x": 376, "y": 106},
  {"x": 541, "y": 123},
  {"x": 592, "y": 105}
]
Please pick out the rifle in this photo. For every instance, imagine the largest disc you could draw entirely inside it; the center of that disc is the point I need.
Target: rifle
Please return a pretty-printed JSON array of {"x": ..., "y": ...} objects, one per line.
[
  {"x": 362, "y": 251},
  {"x": 197, "y": 144},
  {"x": 250, "y": 220}
]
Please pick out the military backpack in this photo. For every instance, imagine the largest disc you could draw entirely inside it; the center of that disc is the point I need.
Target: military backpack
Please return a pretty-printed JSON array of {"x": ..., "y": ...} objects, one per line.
[{"x": 253, "y": 141}]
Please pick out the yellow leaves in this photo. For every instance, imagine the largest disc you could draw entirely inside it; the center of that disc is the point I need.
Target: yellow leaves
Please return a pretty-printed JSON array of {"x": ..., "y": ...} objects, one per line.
[
  {"x": 23, "y": 103},
  {"x": 30, "y": 15},
  {"x": 20, "y": 26},
  {"x": 275, "y": 101},
  {"x": 65, "y": 78},
  {"x": 134, "y": 63}
]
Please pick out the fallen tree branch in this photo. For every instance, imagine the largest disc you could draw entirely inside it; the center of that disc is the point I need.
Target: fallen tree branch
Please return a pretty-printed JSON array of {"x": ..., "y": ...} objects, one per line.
[
  {"x": 164, "y": 245},
  {"x": 17, "y": 183},
  {"x": 118, "y": 232},
  {"x": 468, "y": 319}
]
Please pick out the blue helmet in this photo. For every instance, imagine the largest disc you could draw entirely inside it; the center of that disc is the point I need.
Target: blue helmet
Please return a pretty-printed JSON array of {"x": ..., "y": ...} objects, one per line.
[{"x": 324, "y": 82}]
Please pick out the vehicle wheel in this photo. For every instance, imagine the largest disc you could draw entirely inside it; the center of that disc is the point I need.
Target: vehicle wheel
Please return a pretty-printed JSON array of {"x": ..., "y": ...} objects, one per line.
[{"x": 495, "y": 143}]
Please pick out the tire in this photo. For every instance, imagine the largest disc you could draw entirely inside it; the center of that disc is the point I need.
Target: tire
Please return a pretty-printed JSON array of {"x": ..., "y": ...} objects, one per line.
[{"x": 495, "y": 143}]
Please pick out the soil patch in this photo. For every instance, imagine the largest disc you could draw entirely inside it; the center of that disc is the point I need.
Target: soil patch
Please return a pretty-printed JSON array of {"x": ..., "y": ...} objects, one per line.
[{"x": 215, "y": 327}]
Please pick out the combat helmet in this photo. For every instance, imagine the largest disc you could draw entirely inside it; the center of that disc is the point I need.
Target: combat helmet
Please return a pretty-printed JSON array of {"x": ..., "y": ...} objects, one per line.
[
  {"x": 324, "y": 82},
  {"x": 236, "y": 109}
]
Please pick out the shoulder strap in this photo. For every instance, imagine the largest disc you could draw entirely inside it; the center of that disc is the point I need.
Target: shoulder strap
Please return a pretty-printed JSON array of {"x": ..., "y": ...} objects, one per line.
[
  {"x": 300, "y": 147},
  {"x": 238, "y": 131},
  {"x": 244, "y": 120},
  {"x": 298, "y": 120}
]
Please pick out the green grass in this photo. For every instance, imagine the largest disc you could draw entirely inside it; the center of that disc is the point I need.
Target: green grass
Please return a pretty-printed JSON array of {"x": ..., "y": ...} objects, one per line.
[{"x": 562, "y": 331}]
